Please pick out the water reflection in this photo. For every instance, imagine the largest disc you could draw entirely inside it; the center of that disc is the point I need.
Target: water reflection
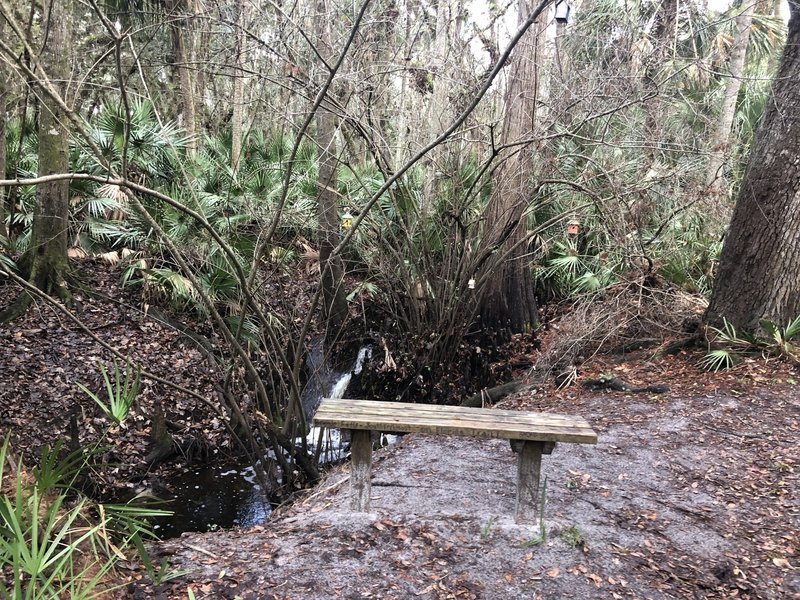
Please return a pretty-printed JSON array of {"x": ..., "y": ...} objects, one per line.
[
  {"x": 210, "y": 498},
  {"x": 224, "y": 496}
]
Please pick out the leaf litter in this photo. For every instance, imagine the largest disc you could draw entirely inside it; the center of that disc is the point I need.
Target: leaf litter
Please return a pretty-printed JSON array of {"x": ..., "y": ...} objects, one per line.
[{"x": 689, "y": 494}]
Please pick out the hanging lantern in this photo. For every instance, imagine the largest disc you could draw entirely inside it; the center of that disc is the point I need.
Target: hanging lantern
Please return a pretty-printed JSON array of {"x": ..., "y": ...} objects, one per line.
[
  {"x": 562, "y": 12},
  {"x": 347, "y": 219},
  {"x": 573, "y": 227}
]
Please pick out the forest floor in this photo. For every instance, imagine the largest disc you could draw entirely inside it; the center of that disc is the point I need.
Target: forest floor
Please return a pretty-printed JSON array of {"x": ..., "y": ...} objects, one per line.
[{"x": 692, "y": 493}]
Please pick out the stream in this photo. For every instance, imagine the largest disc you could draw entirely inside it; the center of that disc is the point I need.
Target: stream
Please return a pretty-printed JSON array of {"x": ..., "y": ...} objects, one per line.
[{"x": 220, "y": 496}]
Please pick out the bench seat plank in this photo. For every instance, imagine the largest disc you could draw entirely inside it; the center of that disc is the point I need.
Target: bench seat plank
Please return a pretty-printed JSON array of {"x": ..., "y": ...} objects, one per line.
[
  {"x": 367, "y": 407},
  {"x": 453, "y": 420}
]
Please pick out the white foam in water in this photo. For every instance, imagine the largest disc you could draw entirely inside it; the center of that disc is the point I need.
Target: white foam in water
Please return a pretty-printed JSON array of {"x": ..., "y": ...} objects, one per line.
[
  {"x": 363, "y": 354},
  {"x": 249, "y": 475},
  {"x": 332, "y": 441},
  {"x": 340, "y": 387}
]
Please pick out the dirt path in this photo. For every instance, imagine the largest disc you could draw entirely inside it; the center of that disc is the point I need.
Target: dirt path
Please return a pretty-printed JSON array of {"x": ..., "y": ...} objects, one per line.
[{"x": 683, "y": 497}]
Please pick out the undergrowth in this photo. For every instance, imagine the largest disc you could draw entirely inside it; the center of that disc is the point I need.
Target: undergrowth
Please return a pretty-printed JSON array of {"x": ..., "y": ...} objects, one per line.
[{"x": 644, "y": 312}]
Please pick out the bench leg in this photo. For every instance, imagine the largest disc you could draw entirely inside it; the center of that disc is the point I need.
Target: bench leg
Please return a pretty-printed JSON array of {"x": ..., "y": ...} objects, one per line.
[
  {"x": 529, "y": 464},
  {"x": 360, "y": 469}
]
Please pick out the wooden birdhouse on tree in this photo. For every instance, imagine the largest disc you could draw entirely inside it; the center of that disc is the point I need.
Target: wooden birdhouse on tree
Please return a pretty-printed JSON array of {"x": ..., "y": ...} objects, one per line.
[
  {"x": 573, "y": 227},
  {"x": 562, "y": 12}
]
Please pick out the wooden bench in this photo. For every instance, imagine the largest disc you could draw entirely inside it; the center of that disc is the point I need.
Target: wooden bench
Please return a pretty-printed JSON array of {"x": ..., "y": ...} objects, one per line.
[{"x": 534, "y": 433}]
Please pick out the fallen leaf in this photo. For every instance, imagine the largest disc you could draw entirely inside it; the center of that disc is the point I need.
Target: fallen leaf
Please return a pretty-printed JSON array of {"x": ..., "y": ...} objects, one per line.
[
  {"x": 782, "y": 563},
  {"x": 598, "y": 581},
  {"x": 553, "y": 572}
]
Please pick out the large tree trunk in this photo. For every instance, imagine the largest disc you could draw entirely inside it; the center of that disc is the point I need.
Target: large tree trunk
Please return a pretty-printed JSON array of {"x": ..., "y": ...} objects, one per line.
[
  {"x": 759, "y": 271},
  {"x": 509, "y": 302},
  {"x": 722, "y": 132},
  {"x": 237, "y": 120},
  {"x": 45, "y": 262},
  {"x": 334, "y": 299}
]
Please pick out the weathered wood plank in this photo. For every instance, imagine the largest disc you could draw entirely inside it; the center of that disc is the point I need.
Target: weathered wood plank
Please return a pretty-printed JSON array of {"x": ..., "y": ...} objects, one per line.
[
  {"x": 529, "y": 466},
  {"x": 344, "y": 405},
  {"x": 500, "y": 421},
  {"x": 470, "y": 422},
  {"x": 360, "y": 470},
  {"x": 349, "y": 408},
  {"x": 494, "y": 420}
]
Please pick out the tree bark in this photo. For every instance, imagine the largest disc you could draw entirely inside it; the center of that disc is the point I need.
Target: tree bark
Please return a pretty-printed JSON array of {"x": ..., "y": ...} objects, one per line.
[
  {"x": 722, "y": 132},
  {"x": 509, "y": 303},
  {"x": 441, "y": 111},
  {"x": 334, "y": 307},
  {"x": 45, "y": 263},
  {"x": 759, "y": 271},
  {"x": 180, "y": 30},
  {"x": 237, "y": 120},
  {"x": 5, "y": 84}
]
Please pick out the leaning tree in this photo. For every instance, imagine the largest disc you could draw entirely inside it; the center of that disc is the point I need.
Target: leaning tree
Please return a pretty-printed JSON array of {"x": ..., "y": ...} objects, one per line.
[{"x": 759, "y": 270}]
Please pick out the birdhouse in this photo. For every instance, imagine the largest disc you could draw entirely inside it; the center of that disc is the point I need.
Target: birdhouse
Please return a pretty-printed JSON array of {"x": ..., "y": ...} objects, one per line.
[
  {"x": 562, "y": 12},
  {"x": 347, "y": 219},
  {"x": 573, "y": 227}
]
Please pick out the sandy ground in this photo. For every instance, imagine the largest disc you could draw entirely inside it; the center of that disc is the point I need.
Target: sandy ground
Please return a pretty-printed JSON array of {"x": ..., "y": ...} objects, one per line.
[{"x": 681, "y": 498}]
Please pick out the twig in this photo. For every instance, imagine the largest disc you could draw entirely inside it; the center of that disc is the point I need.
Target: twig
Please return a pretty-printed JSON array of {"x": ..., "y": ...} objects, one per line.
[
  {"x": 325, "y": 490},
  {"x": 203, "y": 550}
]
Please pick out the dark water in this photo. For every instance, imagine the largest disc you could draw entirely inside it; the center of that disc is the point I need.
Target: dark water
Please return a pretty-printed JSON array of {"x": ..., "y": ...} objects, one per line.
[
  {"x": 224, "y": 496},
  {"x": 211, "y": 498}
]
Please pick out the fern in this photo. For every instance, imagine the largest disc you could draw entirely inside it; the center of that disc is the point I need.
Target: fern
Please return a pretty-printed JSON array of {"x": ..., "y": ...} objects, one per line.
[{"x": 723, "y": 358}]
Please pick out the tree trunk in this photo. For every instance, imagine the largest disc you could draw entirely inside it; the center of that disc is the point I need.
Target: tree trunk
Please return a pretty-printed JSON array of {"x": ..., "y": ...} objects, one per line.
[
  {"x": 334, "y": 310},
  {"x": 443, "y": 159},
  {"x": 401, "y": 150},
  {"x": 180, "y": 30},
  {"x": 5, "y": 84},
  {"x": 237, "y": 120},
  {"x": 45, "y": 263},
  {"x": 722, "y": 132},
  {"x": 759, "y": 270},
  {"x": 663, "y": 35},
  {"x": 509, "y": 303}
]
